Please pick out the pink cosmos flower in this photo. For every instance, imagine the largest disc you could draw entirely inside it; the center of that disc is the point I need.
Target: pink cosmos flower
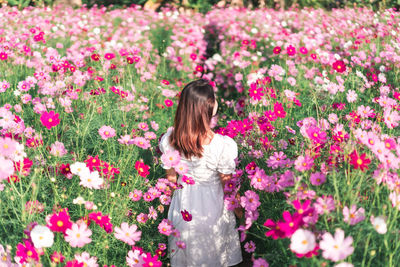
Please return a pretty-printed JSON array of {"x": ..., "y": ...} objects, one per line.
[
  {"x": 250, "y": 246},
  {"x": 303, "y": 163},
  {"x": 6, "y": 168},
  {"x": 276, "y": 160},
  {"x": 7, "y": 147},
  {"x": 336, "y": 248},
  {"x": 150, "y": 135},
  {"x": 86, "y": 259},
  {"x": 171, "y": 158},
  {"x": 291, "y": 50},
  {"x": 260, "y": 262},
  {"x": 231, "y": 202},
  {"x": 181, "y": 168},
  {"x": 353, "y": 216},
  {"x": 135, "y": 195},
  {"x": 134, "y": 258},
  {"x": 57, "y": 149},
  {"x": 127, "y": 234},
  {"x": 106, "y": 132},
  {"x": 291, "y": 81},
  {"x": 152, "y": 213},
  {"x": 258, "y": 179},
  {"x": 143, "y": 126},
  {"x": 181, "y": 244},
  {"x": 78, "y": 235},
  {"x": 142, "y": 217},
  {"x": 250, "y": 200},
  {"x": 317, "y": 178},
  {"x": 154, "y": 125},
  {"x": 165, "y": 227},
  {"x": 141, "y": 142}
]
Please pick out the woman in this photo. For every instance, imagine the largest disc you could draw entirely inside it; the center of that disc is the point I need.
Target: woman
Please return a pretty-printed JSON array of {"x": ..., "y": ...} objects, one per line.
[{"x": 210, "y": 237}]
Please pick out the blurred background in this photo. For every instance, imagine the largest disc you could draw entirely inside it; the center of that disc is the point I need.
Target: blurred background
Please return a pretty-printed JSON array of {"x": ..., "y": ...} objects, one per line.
[{"x": 204, "y": 6}]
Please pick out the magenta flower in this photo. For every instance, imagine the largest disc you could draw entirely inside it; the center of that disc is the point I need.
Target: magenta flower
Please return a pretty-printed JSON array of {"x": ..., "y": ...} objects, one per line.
[
  {"x": 127, "y": 234},
  {"x": 290, "y": 223},
  {"x": 60, "y": 222},
  {"x": 49, "y": 119},
  {"x": 316, "y": 135},
  {"x": 353, "y": 216},
  {"x": 279, "y": 110},
  {"x": 150, "y": 261},
  {"x": 254, "y": 92},
  {"x": 186, "y": 215},
  {"x": 291, "y": 50},
  {"x": 26, "y": 252},
  {"x": 188, "y": 180}
]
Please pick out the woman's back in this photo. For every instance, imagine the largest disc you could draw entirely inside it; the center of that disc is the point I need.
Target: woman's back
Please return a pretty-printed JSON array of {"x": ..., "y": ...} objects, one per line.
[
  {"x": 210, "y": 238},
  {"x": 218, "y": 157}
]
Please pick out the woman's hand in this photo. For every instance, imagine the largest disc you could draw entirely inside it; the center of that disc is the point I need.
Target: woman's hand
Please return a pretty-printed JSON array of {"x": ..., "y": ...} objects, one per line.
[
  {"x": 239, "y": 210},
  {"x": 171, "y": 175}
]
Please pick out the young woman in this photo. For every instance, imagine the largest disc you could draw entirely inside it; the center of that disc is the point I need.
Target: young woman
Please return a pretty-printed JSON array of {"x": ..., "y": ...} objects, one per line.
[{"x": 211, "y": 237}]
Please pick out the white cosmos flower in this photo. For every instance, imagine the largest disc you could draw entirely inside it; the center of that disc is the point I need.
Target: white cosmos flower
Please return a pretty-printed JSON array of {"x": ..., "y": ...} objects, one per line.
[
  {"x": 302, "y": 241},
  {"x": 91, "y": 180},
  {"x": 42, "y": 236},
  {"x": 379, "y": 223},
  {"x": 79, "y": 168}
]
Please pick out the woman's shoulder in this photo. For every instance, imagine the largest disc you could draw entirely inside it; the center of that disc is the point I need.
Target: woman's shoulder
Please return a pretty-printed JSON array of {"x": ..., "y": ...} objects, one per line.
[
  {"x": 164, "y": 140},
  {"x": 227, "y": 140}
]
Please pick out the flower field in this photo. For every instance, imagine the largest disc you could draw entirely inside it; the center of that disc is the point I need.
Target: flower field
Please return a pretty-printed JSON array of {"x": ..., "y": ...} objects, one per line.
[{"x": 311, "y": 97}]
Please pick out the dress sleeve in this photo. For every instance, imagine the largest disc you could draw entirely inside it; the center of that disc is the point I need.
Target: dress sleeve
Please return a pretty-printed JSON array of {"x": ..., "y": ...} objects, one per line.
[
  {"x": 226, "y": 162},
  {"x": 164, "y": 146}
]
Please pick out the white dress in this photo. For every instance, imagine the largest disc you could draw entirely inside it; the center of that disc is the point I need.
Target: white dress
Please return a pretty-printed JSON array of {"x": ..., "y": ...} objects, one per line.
[{"x": 211, "y": 237}]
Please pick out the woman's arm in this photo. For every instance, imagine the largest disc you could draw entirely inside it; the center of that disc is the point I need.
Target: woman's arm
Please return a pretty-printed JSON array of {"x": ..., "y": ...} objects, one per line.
[
  {"x": 225, "y": 178},
  {"x": 171, "y": 175}
]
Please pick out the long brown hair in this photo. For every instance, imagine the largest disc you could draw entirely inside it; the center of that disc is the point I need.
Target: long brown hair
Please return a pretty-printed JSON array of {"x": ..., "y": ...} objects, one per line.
[{"x": 193, "y": 114}]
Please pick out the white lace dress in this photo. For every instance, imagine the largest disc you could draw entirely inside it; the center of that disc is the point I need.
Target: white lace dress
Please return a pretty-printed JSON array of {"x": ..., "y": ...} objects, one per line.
[{"x": 211, "y": 237}]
